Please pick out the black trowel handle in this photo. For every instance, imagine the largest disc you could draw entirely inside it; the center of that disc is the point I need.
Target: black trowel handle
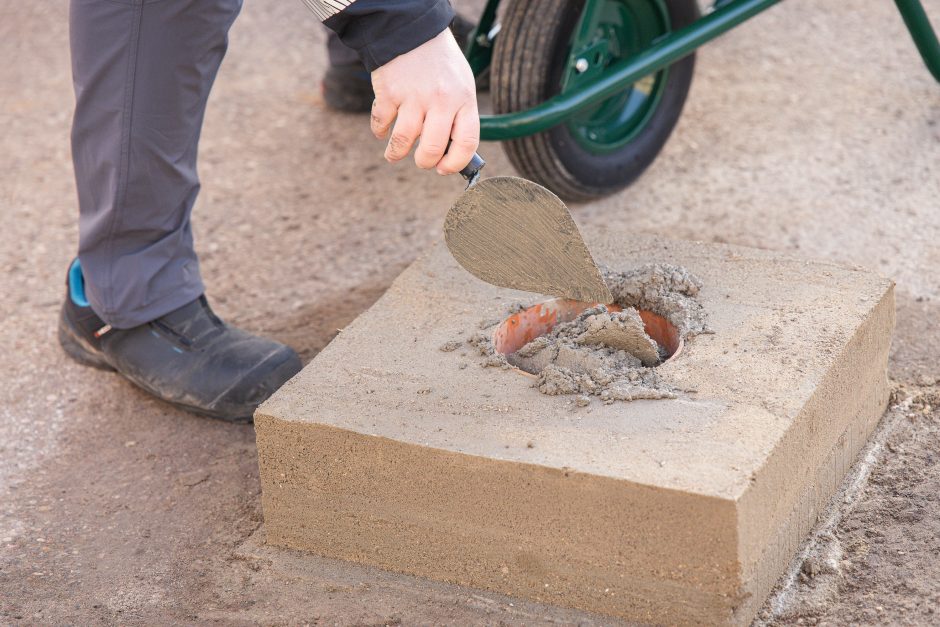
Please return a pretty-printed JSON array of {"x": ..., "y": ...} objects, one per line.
[{"x": 471, "y": 173}]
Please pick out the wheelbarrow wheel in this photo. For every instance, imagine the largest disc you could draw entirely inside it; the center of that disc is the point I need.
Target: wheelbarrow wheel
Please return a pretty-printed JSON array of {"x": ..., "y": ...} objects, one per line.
[{"x": 546, "y": 47}]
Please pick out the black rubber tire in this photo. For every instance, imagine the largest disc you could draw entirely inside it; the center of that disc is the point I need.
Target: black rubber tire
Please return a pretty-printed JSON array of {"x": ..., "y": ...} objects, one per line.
[{"x": 528, "y": 59}]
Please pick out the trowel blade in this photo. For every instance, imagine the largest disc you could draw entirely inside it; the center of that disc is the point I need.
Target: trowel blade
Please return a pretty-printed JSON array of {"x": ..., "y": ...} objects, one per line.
[{"x": 515, "y": 233}]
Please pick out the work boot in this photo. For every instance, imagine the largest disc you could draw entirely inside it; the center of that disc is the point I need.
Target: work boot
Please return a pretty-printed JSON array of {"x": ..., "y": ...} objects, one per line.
[
  {"x": 347, "y": 87},
  {"x": 189, "y": 357}
]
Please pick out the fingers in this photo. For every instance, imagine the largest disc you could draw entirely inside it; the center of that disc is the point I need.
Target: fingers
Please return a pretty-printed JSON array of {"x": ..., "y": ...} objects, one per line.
[
  {"x": 383, "y": 115},
  {"x": 406, "y": 132},
  {"x": 466, "y": 140},
  {"x": 427, "y": 92},
  {"x": 434, "y": 137}
]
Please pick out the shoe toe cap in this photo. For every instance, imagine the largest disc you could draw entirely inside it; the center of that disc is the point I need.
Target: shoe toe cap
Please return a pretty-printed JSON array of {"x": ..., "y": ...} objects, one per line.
[{"x": 259, "y": 383}]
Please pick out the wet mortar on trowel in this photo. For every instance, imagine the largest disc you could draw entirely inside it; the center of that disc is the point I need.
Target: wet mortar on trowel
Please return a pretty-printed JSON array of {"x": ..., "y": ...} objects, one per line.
[{"x": 605, "y": 353}]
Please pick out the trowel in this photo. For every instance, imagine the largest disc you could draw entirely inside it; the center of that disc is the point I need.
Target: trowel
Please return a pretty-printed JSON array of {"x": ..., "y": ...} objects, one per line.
[{"x": 515, "y": 233}]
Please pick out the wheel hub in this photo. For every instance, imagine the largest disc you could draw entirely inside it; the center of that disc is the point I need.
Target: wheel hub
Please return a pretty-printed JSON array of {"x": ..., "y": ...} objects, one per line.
[{"x": 609, "y": 31}]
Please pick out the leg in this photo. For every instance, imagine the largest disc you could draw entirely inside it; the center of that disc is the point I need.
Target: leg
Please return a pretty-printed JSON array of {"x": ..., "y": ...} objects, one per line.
[
  {"x": 142, "y": 72},
  {"x": 338, "y": 52},
  {"x": 347, "y": 85}
]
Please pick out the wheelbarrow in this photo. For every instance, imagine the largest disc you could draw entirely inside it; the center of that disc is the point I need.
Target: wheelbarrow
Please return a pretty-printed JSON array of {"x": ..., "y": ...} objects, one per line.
[{"x": 586, "y": 92}]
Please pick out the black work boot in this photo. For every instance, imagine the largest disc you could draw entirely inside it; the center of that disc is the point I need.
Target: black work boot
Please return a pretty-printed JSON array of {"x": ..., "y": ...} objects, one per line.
[
  {"x": 188, "y": 357},
  {"x": 348, "y": 86}
]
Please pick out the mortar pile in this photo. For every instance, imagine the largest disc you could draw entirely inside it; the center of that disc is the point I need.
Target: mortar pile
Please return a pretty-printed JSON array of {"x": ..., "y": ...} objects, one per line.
[
  {"x": 667, "y": 289},
  {"x": 607, "y": 354}
]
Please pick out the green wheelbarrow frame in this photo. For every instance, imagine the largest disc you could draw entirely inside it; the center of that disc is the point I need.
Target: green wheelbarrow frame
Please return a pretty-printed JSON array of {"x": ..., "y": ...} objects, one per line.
[{"x": 666, "y": 50}]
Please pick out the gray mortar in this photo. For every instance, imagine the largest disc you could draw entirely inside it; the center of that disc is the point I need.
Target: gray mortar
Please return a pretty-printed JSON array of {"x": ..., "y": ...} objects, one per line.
[
  {"x": 607, "y": 354},
  {"x": 665, "y": 289}
]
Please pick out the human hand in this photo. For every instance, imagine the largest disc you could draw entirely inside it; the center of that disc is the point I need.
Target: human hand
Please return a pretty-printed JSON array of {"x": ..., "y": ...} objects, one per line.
[{"x": 429, "y": 93}]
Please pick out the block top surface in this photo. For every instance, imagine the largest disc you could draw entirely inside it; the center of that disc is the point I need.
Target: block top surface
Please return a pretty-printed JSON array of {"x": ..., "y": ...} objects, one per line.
[{"x": 778, "y": 322}]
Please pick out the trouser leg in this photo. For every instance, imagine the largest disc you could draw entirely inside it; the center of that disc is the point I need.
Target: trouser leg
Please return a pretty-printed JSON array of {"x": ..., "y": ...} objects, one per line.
[
  {"x": 338, "y": 52},
  {"x": 142, "y": 71}
]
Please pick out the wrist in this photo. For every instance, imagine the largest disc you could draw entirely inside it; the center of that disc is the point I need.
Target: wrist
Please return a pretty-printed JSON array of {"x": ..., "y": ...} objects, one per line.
[{"x": 381, "y": 30}]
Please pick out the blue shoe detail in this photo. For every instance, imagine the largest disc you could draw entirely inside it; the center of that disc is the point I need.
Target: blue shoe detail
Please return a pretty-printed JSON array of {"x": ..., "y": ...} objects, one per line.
[{"x": 77, "y": 284}]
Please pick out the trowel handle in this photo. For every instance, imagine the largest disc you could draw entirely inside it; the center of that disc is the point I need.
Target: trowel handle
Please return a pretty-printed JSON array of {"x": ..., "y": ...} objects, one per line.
[{"x": 472, "y": 171}]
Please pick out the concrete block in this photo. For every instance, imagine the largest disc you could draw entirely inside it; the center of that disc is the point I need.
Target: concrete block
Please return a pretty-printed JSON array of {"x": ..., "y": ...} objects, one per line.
[{"x": 388, "y": 451}]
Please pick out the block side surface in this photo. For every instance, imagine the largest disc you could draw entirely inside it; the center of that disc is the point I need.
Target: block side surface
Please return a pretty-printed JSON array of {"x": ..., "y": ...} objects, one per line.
[
  {"x": 805, "y": 470},
  {"x": 548, "y": 534}
]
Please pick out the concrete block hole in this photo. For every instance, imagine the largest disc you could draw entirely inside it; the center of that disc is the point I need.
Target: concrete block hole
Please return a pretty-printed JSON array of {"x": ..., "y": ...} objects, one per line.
[{"x": 538, "y": 320}]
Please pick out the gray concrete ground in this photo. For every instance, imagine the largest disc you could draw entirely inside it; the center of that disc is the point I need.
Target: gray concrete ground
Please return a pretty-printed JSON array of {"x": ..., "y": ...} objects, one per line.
[{"x": 811, "y": 130}]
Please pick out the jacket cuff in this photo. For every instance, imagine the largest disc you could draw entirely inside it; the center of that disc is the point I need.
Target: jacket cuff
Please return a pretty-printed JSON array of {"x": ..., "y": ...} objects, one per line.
[{"x": 380, "y": 30}]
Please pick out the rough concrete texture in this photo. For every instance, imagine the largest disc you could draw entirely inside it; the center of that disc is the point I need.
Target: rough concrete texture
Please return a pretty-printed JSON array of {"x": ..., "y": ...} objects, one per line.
[
  {"x": 385, "y": 451},
  {"x": 812, "y": 130}
]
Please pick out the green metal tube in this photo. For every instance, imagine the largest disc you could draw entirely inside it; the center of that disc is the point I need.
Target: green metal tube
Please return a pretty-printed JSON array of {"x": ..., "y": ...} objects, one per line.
[
  {"x": 668, "y": 50},
  {"x": 912, "y": 11}
]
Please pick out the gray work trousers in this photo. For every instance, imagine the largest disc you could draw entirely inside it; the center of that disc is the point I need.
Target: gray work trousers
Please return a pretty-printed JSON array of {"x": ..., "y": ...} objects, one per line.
[{"x": 142, "y": 71}]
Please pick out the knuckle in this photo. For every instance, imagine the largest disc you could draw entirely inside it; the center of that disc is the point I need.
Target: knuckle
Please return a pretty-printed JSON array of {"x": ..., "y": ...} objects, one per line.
[
  {"x": 451, "y": 95},
  {"x": 466, "y": 141},
  {"x": 431, "y": 149},
  {"x": 423, "y": 162}
]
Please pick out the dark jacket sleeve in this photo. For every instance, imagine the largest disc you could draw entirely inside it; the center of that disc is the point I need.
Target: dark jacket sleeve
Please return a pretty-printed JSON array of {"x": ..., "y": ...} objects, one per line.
[{"x": 381, "y": 30}]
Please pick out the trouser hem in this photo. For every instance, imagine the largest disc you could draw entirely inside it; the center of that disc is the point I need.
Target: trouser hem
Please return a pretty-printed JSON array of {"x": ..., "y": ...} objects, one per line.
[{"x": 142, "y": 315}]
